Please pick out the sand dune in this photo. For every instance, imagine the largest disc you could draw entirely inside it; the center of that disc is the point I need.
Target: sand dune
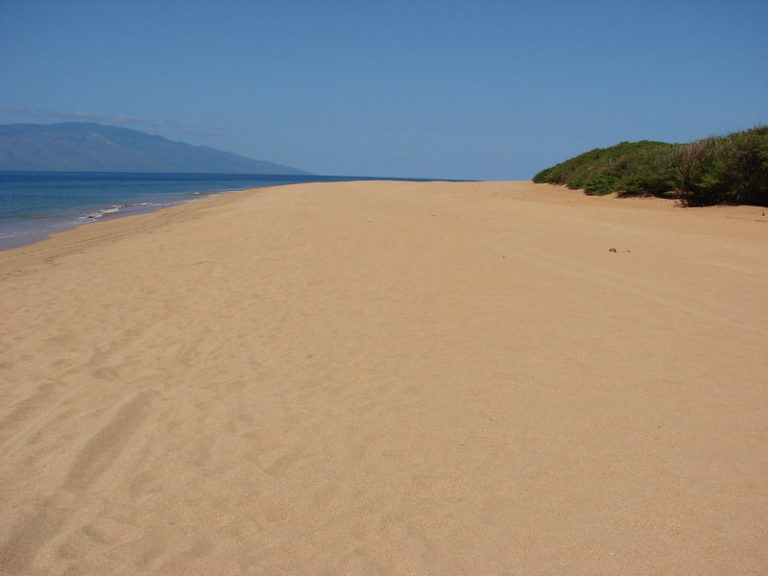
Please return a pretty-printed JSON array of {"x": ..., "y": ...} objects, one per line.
[{"x": 389, "y": 378}]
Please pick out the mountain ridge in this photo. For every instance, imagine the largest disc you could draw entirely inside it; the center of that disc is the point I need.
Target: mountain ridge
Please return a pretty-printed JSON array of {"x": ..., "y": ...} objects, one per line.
[{"x": 93, "y": 147}]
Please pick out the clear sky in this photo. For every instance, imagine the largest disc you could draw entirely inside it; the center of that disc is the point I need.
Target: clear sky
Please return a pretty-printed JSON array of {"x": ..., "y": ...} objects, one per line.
[{"x": 474, "y": 89}]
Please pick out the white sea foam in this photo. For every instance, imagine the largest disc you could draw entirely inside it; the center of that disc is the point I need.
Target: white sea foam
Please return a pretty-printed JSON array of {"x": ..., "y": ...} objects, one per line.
[
  {"x": 76, "y": 199},
  {"x": 103, "y": 212}
]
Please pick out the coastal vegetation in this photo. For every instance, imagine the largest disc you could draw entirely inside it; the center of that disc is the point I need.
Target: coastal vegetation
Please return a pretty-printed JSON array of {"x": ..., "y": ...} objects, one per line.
[{"x": 730, "y": 169}]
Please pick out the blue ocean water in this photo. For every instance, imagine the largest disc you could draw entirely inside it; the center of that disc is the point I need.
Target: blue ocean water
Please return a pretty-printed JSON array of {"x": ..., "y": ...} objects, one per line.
[{"x": 36, "y": 204}]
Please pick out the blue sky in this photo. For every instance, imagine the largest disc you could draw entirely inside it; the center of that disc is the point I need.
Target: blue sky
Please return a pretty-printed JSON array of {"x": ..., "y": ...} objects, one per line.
[{"x": 491, "y": 90}]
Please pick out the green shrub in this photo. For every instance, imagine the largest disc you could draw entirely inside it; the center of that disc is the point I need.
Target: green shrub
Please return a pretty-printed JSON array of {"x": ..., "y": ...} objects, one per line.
[
  {"x": 729, "y": 169},
  {"x": 602, "y": 183}
]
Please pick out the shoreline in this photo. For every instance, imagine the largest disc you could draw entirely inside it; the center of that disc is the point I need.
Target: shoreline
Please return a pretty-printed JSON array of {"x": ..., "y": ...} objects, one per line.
[
  {"x": 375, "y": 377},
  {"x": 106, "y": 214},
  {"x": 77, "y": 199},
  {"x": 114, "y": 226},
  {"x": 566, "y": 195}
]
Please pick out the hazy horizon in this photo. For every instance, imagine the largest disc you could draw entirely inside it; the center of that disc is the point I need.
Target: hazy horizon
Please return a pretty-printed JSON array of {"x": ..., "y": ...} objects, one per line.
[{"x": 489, "y": 91}]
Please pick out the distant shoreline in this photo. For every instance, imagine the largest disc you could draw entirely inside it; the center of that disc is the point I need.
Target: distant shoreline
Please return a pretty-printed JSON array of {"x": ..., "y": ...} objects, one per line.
[{"x": 58, "y": 201}]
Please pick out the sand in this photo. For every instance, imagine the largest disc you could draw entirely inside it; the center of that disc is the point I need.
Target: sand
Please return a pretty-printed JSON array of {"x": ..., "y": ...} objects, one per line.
[{"x": 389, "y": 378}]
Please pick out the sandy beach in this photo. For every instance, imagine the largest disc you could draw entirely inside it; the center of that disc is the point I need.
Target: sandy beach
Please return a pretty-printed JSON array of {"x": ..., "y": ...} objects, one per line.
[{"x": 496, "y": 378}]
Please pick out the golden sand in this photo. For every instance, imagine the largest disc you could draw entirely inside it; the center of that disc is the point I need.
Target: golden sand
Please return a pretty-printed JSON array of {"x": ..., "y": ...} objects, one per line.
[{"x": 389, "y": 378}]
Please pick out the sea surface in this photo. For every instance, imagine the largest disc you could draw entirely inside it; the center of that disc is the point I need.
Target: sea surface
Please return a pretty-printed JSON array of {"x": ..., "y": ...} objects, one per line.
[{"x": 36, "y": 204}]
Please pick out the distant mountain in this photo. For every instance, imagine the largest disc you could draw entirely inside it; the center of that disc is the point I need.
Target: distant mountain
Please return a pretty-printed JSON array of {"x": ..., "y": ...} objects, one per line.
[{"x": 89, "y": 147}]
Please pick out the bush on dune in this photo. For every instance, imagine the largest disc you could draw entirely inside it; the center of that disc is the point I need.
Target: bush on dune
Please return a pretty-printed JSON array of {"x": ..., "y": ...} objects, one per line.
[{"x": 727, "y": 170}]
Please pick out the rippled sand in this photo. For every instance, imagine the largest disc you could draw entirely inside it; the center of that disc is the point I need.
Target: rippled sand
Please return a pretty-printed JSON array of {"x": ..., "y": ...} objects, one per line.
[{"x": 389, "y": 378}]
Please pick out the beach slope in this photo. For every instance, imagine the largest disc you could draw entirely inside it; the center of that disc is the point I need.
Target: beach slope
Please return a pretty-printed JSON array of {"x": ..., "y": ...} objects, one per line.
[{"x": 389, "y": 378}]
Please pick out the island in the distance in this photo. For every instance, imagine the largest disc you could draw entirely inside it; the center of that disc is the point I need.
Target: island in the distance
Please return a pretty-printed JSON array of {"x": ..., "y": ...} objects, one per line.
[{"x": 91, "y": 147}]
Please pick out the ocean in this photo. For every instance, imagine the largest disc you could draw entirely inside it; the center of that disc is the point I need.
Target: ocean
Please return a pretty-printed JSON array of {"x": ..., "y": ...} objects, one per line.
[{"x": 36, "y": 204}]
